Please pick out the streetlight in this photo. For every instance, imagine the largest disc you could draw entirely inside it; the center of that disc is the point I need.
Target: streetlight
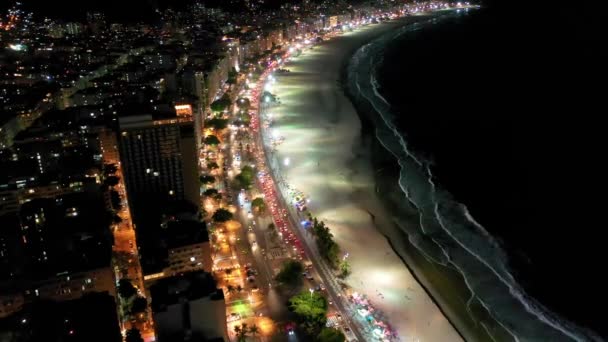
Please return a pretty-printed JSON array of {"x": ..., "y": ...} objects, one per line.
[{"x": 311, "y": 291}]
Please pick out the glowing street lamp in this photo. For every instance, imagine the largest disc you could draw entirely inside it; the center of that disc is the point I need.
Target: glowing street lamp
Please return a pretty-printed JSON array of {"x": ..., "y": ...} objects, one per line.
[
  {"x": 286, "y": 162},
  {"x": 311, "y": 292}
]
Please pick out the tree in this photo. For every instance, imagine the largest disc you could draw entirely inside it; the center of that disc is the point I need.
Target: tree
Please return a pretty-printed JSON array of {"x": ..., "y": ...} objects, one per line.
[
  {"x": 212, "y": 165},
  {"x": 331, "y": 335},
  {"x": 344, "y": 269},
  {"x": 133, "y": 335},
  {"x": 116, "y": 219},
  {"x": 206, "y": 179},
  {"x": 112, "y": 180},
  {"x": 221, "y": 104},
  {"x": 291, "y": 273},
  {"x": 328, "y": 248},
  {"x": 254, "y": 330},
  {"x": 258, "y": 203},
  {"x": 213, "y": 193},
  {"x": 239, "y": 288},
  {"x": 126, "y": 289},
  {"x": 115, "y": 200},
  {"x": 230, "y": 288},
  {"x": 211, "y": 140},
  {"x": 222, "y": 215},
  {"x": 311, "y": 309},
  {"x": 140, "y": 304},
  {"x": 217, "y": 123},
  {"x": 232, "y": 76},
  {"x": 241, "y": 332},
  {"x": 243, "y": 103},
  {"x": 109, "y": 169},
  {"x": 245, "y": 178}
]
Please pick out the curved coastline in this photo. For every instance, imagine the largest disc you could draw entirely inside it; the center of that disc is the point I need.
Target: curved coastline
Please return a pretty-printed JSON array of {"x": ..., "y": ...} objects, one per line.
[
  {"x": 320, "y": 134},
  {"x": 448, "y": 251},
  {"x": 428, "y": 274}
]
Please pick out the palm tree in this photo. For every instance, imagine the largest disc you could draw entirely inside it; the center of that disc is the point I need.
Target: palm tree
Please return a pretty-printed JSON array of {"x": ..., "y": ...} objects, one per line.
[
  {"x": 230, "y": 288},
  {"x": 254, "y": 330},
  {"x": 239, "y": 288},
  {"x": 241, "y": 332}
]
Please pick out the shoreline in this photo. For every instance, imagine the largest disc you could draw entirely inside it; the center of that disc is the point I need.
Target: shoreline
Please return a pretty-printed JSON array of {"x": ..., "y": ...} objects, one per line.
[
  {"x": 486, "y": 301},
  {"x": 344, "y": 189},
  {"x": 413, "y": 260}
]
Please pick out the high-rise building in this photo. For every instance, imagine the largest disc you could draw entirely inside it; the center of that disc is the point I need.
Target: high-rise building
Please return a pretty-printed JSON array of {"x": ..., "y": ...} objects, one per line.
[
  {"x": 189, "y": 306},
  {"x": 160, "y": 164}
]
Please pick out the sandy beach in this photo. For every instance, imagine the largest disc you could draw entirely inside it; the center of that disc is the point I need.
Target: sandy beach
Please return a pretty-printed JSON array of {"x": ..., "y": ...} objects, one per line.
[{"x": 330, "y": 163}]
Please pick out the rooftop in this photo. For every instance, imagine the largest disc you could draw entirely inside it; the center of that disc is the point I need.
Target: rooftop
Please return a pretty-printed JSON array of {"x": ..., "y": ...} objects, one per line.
[{"x": 187, "y": 287}]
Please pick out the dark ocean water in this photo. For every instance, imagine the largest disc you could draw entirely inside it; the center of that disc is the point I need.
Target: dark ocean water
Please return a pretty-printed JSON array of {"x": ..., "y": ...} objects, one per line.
[{"x": 502, "y": 101}]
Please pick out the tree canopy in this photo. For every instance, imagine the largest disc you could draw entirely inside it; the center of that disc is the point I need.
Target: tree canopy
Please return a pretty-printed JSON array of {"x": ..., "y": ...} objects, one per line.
[
  {"x": 232, "y": 76},
  {"x": 241, "y": 332},
  {"x": 331, "y": 335},
  {"x": 211, "y": 140},
  {"x": 258, "y": 203},
  {"x": 213, "y": 193},
  {"x": 206, "y": 179},
  {"x": 221, "y": 104},
  {"x": 139, "y": 305},
  {"x": 109, "y": 169},
  {"x": 311, "y": 309},
  {"x": 112, "y": 180},
  {"x": 245, "y": 178},
  {"x": 344, "y": 269},
  {"x": 328, "y": 248},
  {"x": 126, "y": 289},
  {"x": 217, "y": 123},
  {"x": 133, "y": 335},
  {"x": 222, "y": 215},
  {"x": 243, "y": 103},
  {"x": 291, "y": 273}
]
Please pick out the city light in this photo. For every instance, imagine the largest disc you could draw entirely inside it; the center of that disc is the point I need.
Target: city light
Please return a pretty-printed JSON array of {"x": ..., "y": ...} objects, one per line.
[{"x": 16, "y": 47}]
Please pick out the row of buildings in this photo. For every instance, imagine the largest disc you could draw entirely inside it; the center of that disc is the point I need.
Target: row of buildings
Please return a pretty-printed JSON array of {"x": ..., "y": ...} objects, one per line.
[{"x": 78, "y": 97}]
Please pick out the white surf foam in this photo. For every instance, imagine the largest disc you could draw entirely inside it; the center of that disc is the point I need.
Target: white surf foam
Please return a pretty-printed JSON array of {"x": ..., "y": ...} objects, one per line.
[{"x": 475, "y": 242}]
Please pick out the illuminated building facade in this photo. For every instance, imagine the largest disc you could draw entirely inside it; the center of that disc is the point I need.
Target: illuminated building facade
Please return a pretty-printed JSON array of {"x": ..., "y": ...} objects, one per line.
[{"x": 159, "y": 161}]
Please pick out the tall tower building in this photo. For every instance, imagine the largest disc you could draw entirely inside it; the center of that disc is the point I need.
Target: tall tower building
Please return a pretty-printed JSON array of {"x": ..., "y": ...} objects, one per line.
[{"x": 160, "y": 164}]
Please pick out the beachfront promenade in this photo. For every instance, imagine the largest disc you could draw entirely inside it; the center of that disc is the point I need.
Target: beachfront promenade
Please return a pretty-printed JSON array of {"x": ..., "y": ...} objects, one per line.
[{"x": 321, "y": 155}]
